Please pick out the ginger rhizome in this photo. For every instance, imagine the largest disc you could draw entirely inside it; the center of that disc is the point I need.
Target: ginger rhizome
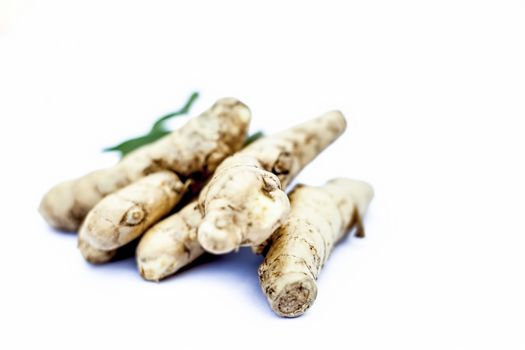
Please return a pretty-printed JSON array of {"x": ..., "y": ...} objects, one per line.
[
  {"x": 319, "y": 217},
  {"x": 92, "y": 254},
  {"x": 244, "y": 202},
  {"x": 242, "y": 191},
  {"x": 124, "y": 215},
  {"x": 170, "y": 244},
  {"x": 192, "y": 151}
]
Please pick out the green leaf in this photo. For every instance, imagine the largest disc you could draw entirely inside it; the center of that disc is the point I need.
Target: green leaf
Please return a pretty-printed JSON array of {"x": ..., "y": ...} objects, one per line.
[
  {"x": 132, "y": 144},
  {"x": 159, "y": 124},
  {"x": 157, "y": 131},
  {"x": 253, "y": 137}
]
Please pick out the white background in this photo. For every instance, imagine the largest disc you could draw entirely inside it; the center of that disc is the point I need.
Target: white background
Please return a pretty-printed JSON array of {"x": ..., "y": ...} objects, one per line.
[{"x": 434, "y": 96}]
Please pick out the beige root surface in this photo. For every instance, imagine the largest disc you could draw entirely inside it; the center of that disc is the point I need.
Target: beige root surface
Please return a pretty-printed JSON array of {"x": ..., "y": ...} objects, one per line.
[
  {"x": 170, "y": 244},
  {"x": 124, "y": 215},
  {"x": 92, "y": 254},
  {"x": 194, "y": 150},
  {"x": 320, "y": 216},
  {"x": 245, "y": 202}
]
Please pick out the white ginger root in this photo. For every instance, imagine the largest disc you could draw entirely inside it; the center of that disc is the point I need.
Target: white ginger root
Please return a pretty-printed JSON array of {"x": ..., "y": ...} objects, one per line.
[
  {"x": 245, "y": 202},
  {"x": 170, "y": 244},
  {"x": 194, "y": 150},
  {"x": 124, "y": 215},
  {"x": 320, "y": 216}
]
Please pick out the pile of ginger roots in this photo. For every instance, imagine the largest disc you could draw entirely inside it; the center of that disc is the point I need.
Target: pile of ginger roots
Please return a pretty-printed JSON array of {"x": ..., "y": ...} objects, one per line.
[{"x": 199, "y": 190}]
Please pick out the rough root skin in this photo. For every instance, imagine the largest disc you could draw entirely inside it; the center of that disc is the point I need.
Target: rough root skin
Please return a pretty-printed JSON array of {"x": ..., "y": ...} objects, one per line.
[
  {"x": 243, "y": 196},
  {"x": 170, "y": 244},
  {"x": 245, "y": 200},
  {"x": 198, "y": 147},
  {"x": 124, "y": 215},
  {"x": 320, "y": 216}
]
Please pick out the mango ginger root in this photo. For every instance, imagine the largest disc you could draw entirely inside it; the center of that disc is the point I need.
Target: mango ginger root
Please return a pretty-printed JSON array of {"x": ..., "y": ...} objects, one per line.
[
  {"x": 193, "y": 150},
  {"x": 170, "y": 244},
  {"x": 241, "y": 193},
  {"x": 320, "y": 216},
  {"x": 124, "y": 215},
  {"x": 244, "y": 202}
]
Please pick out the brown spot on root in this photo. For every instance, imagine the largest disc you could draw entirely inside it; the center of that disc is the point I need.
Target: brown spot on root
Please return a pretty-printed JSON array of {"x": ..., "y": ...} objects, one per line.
[
  {"x": 269, "y": 291},
  {"x": 77, "y": 213},
  {"x": 155, "y": 165},
  {"x": 187, "y": 250},
  {"x": 268, "y": 186},
  {"x": 358, "y": 224},
  {"x": 282, "y": 259},
  {"x": 134, "y": 216}
]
